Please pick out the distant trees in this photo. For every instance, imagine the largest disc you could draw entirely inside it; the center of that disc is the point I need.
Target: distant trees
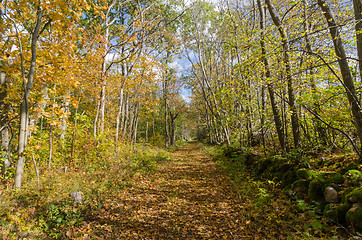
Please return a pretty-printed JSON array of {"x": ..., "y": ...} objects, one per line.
[{"x": 244, "y": 48}]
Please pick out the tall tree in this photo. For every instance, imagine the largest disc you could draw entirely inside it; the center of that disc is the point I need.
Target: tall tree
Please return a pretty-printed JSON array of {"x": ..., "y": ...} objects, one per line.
[
  {"x": 348, "y": 83},
  {"x": 288, "y": 70}
]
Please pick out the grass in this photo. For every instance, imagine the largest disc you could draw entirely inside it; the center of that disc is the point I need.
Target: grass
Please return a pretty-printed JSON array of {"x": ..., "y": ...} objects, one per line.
[{"x": 46, "y": 211}]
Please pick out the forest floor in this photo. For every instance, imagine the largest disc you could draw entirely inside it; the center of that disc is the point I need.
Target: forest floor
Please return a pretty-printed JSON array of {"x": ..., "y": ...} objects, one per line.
[{"x": 192, "y": 197}]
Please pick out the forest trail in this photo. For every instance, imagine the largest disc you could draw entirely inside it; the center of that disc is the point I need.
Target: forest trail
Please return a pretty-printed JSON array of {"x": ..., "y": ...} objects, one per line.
[
  {"x": 189, "y": 197},
  {"x": 186, "y": 198}
]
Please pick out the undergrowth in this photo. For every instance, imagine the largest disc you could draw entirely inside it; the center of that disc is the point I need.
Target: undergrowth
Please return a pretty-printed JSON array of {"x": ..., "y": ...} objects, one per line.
[
  {"x": 268, "y": 205},
  {"x": 44, "y": 209}
]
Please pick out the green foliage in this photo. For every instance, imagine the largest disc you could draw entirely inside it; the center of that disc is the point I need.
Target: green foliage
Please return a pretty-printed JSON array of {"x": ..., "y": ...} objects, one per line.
[
  {"x": 306, "y": 174},
  {"x": 355, "y": 196},
  {"x": 148, "y": 161},
  {"x": 47, "y": 211},
  {"x": 158, "y": 140},
  {"x": 354, "y": 178}
]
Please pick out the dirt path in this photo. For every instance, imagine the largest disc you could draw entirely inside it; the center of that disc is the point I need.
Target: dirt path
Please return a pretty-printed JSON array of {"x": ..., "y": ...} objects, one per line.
[{"x": 186, "y": 198}]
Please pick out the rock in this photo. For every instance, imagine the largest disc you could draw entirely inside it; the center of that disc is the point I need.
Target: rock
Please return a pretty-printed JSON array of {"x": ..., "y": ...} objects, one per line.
[
  {"x": 351, "y": 166},
  {"x": 355, "y": 196},
  {"x": 354, "y": 218},
  {"x": 316, "y": 193},
  {"x": 300, "y": 188},
  {"x": 354, "y": 178},
  {"x": 330, "y": 211},
  {"x": 306, "y": 174},
  {"x": 76, "y": 197},
  {"x": 330, "y": 195},
  {"x": 288, "y": 178},
  {"x": 336, "y": 178},
  {"x": 344, "y": 197},
  {"x": 341, "y": 213}
]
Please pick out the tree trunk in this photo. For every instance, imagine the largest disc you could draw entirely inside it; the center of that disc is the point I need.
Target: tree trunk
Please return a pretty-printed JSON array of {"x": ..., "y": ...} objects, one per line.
[
  {"x": 344, "y": 67},
  {"x": 119, "y": 114},
  {"x": 165, "y": 114},
  {"x": 126, "y": 110},
  {"x": 24, "y": 109},
  {"x": 291, "y": 96},
  {"x": 321, "y": 131},
  {"x": 275, "y": 109},
  {"x": 74, "y": 132},
  {"x": 357, "y": 5},
  {"x": 146, "y": 137},
  {"x": 4, "y": 108}
]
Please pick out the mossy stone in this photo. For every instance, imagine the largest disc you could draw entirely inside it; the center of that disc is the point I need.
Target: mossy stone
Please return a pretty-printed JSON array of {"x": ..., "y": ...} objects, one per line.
[
  {"x": 285, "y": 167},
  {"x": 351, "y": 166},
  {"x": 288, "y": 178},
  {"x": 341, "y": 213},
  {"x": 354, "y": 218},
  {"x": 353, "y": 177},
  {"x": 263, "y": 165},
  {"x": 306, "y": 174},
  {"x": 316, "y": 192},
  {"x": 250, "y": 159},
  {"x": 355, "y": 196},
  {"x": 330, "y": 212},
  {"x": 300, "y": 188},
  {"x": 336, "y": 178},
  {"x": 345, "y": 194}
]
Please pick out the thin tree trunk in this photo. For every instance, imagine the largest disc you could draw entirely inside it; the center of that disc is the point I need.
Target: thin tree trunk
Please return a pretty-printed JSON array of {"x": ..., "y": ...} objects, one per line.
[
  {"x": 357, "y": 5},
  {"x": 146, "y": 137},
  {"x": 36, "y": 171},
  {"x": 311, "y": 74},
  {"x": 135, "y": 124},
  {"x": 275, "y": 109},
  {"x": 95, "y": 124},
  {"x": 74, "y": 132},
  {"x": 24, "y": 109},
  {"x": 119, "y": 114},
  {"x": 291, "y": 96},
  {"x": 50, "y": 145},
  {"x": 344, "y": 67},
  {"x": 125, "y": 117},
  {"x": 132, "y": 115},
  {"x": 165, "y": 116},
  {"x": 4, "y": 108}
]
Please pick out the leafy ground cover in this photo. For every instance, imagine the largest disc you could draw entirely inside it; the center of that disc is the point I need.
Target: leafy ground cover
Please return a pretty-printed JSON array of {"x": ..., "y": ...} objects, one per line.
[{"x": 187, "y": 195}]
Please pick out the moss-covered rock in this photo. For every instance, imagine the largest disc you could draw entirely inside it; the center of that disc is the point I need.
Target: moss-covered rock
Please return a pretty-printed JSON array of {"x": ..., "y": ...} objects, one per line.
[
  {"x": 336, "y": 178},
  {"x": 341, "y": 211},
  {"x": 355, "y": 196},
  {"x": 284, "y": 167},
  {"x": 263, "y": 165},
  {"x": 300, "y": 188},
  {"x": 344, "y": 197},
  {"x": 306, "y": 174},
  {"x": 316, "y": 192},
  {"x": 250, "y": 159},
  {"x": 288, "y": 178},
  {"x": 351, "y": 166},
  {"x": 333, "y": 177},
  {"x": 330, "y": 211},
  {"x": 354, "y": 178},
  {"x": 277, "y": 176},
  {"x": 354, "y": 218}
]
